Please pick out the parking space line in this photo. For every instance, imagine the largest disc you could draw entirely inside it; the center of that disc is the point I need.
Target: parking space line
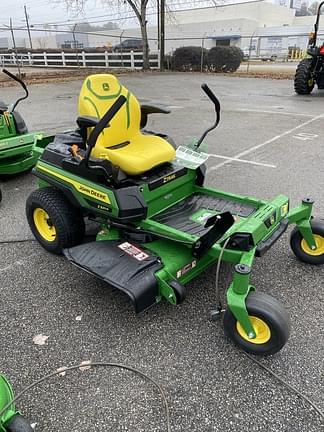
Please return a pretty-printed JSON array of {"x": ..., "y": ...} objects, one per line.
[
  {"x": 233, "y": 159},
  {"x": 271, "y": 140},
  {"x": 274, "y": 112}
]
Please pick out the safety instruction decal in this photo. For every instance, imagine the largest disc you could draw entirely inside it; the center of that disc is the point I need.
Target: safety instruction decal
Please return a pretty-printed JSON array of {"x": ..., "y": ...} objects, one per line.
[
  {"x": 133, "y": 251},
  {"x": 186, "y": 268}
]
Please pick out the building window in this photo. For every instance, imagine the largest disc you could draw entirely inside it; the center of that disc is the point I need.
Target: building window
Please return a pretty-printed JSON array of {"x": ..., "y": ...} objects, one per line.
[
  {"x": 72, "y": 44},
  {"x": 223, "y": 42}
]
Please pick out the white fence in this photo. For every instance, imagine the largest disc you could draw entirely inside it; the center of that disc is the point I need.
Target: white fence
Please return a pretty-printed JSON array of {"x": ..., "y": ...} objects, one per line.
[{"x": 125, "y": 60}]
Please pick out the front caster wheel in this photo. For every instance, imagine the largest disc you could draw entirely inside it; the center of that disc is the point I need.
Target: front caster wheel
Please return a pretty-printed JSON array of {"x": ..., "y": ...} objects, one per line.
[
  {"x": 270, "y": 321},
  {"x": 300, "y": 247},
  {"x": 18, "y": 424}
]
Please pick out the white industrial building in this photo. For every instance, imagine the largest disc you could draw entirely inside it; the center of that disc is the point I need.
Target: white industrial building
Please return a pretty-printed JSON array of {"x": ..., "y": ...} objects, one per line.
[
  {"x": 257, "y": 26},
  {"x": 6, "y": 42}
]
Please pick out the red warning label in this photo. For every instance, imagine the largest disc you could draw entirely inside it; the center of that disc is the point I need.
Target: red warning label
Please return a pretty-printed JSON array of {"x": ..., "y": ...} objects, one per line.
[{"x": 133, "y": 251}]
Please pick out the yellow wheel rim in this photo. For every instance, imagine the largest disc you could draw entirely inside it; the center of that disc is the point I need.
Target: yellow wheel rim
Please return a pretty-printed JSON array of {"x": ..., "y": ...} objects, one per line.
[
  {"x": 261, "y": 328},
  {"x": 319, "y": 240},
  {"x": 44, "y": 228}
]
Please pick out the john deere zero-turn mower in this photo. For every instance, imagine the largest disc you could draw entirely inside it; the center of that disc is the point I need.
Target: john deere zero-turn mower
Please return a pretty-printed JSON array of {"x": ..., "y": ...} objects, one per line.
[
  {"x": 310, "y": 71},
  {"x": 159, "y": 226},
  {"x": 19, "y": 149},
  {"x": 10, "y": 418}
]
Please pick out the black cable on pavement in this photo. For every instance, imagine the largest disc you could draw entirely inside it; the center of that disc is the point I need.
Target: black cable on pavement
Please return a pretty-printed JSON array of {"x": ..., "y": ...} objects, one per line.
[{"x": 96, "y": 364}]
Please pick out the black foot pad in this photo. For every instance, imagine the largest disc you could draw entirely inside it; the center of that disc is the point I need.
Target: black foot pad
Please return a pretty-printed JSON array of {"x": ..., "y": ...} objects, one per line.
[{"x": 188, "y": 215}]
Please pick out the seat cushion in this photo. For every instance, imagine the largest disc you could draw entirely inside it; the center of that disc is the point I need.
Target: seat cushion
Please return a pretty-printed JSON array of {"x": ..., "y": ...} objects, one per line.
[
  {"x": 140, "y": 154},
  {"x": 122, "y": 142}
]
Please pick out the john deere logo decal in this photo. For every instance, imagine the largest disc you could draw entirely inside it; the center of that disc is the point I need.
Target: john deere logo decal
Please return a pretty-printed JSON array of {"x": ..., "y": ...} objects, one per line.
[{"x": 85, "y": 190}]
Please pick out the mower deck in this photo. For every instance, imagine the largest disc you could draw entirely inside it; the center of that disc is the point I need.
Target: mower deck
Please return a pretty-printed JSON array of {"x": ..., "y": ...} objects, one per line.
[
  {"x": 19, "y": 149},
  {"x": 20, "y": 153},
  {"x": 132, "y": 267},
  {"x": 144, "y": 266}
]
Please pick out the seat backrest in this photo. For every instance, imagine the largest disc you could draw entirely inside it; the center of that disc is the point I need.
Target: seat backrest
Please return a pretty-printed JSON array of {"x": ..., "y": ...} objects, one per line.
[{"x": 97, "y": 95}]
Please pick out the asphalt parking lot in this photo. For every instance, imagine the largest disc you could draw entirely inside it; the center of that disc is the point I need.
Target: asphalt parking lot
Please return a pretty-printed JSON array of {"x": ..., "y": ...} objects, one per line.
[{"x": 270, "y": 141}]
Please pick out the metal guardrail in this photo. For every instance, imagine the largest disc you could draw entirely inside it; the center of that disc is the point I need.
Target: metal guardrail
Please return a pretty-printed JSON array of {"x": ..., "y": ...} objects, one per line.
[{"x": 126, "y": 60}]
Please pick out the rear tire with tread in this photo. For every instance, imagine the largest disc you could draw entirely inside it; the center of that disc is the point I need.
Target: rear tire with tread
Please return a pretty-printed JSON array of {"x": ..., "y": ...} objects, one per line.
[
  {"x": 63, "y": 216},
  {"x": 304, "y": 83}
]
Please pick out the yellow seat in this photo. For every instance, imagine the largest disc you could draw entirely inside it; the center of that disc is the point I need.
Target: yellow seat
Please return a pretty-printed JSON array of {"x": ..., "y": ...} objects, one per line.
[{"x": 122, "y": 143}]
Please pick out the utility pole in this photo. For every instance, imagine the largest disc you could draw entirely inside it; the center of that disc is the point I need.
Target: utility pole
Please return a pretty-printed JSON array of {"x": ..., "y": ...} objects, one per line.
[
  {"x": 76, "y": 45},
  {"x": 28, "y": 28},
  {"x": 158, "y": 22},
  {"x": 15, "y": 47},
  {"x": 162, "y": 34}
]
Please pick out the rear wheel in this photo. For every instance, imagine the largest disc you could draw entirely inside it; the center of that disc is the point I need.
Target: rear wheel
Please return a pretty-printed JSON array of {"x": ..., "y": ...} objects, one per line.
[
  {"x": 304, "y": 81},
  {"x": 270, "y": 321},
  {"x": 53, "y": 220},
  {"x": 300, "y": 247},
  {"x": 18, "y": 424}
]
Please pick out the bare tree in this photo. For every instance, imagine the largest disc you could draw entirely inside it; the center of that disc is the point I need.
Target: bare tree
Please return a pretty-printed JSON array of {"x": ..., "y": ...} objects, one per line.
[
  {"x": 138, "y": 6},
  {"x": 313, "y": 8},
  {"x": 41, "y": 42},
  {"x": 86, "y": 27}
]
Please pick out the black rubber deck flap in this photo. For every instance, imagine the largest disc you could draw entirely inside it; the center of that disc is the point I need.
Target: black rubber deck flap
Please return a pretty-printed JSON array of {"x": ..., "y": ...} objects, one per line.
[
  {"x": 181, "y": 215},
  {"x": 126, "y": 266}
]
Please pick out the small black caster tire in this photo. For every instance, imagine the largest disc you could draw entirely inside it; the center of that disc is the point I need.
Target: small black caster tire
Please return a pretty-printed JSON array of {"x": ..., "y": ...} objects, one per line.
[
  {"x": 179, "y": 291},
  {"x": 270, "y": 320},
  {"x": 19, "y": 424},
  {"x": 53, "y": 220},
  {"x": 301, "y": 249}
]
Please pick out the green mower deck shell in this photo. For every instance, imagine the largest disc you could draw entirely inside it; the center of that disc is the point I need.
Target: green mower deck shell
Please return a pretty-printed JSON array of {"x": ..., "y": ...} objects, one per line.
[
  {"x": 19, "y": 149},
  {"x": 175, "y": 253},
  {"x": 6, "y": 396},
  {"x": 21, "y": 152}
]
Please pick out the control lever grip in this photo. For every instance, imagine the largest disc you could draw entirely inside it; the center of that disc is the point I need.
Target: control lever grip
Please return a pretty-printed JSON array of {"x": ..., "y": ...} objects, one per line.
[
  {"x": 211, "y": 96},
  {"x": 14, "y": 77}
]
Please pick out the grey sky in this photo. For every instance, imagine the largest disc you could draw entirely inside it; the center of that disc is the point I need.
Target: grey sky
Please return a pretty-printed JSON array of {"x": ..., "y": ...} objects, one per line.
[
  {"x": 54, "y": 12},
  {"x": 48, "y": 11},
  {"x": 42, "y": 11}
]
